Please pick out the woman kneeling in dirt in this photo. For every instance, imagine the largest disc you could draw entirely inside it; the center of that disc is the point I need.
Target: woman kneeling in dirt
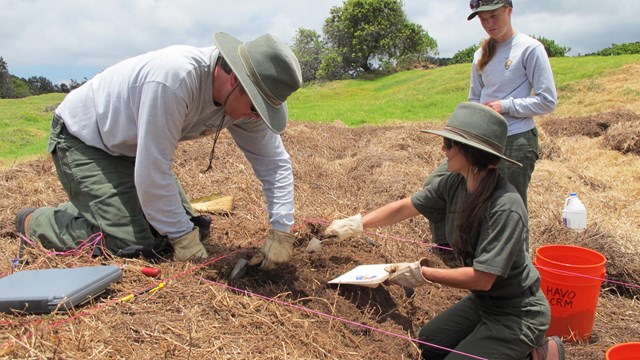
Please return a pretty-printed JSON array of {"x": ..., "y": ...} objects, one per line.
[{"x": 506, "y": 315}]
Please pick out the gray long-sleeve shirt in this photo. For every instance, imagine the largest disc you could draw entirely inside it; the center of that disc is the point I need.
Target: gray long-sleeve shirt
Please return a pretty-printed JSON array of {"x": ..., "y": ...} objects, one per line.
[
  {"x": 520, "y": 76},
  {"x": 143, "y": 106}
]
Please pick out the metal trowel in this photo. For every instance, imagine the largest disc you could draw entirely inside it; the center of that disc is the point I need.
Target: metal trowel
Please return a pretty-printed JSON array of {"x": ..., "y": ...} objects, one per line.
[
  {"x": 315, "y": 244},
  {"x": 239, "y": 269}
]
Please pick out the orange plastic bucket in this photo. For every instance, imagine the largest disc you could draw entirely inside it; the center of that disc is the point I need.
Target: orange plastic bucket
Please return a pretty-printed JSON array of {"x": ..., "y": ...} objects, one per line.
[
  {"x": 624, "y": 351},
  {"x": 570, "y": 278}
]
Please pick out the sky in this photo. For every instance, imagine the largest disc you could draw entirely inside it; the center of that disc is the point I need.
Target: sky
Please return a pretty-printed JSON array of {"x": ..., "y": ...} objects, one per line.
[{"x": 75, "y": 39}]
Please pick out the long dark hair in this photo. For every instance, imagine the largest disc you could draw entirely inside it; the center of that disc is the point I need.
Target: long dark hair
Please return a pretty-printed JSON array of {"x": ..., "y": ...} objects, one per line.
[{"x": 473, "y": 207}]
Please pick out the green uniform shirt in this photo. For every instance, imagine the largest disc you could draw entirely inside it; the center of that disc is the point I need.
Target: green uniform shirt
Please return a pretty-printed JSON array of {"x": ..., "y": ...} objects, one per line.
[{"x": 503, "y": 243}]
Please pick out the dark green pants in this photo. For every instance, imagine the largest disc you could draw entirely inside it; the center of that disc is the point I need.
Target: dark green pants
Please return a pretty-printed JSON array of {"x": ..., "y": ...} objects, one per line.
[
  {"x": 523, "y": 148},
  {"x": 102, "y": 198},
  {"x": 488, "y": 328}
]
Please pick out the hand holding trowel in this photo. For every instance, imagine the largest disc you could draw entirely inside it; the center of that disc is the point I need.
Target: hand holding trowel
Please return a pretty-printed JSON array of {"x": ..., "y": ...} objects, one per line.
[
  {"x": 277, "y": 249},
  {"x": 337, "y": 230}
]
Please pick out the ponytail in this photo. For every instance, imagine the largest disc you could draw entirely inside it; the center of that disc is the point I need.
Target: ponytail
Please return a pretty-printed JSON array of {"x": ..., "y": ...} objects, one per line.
[{"x": 488, "y": 51}]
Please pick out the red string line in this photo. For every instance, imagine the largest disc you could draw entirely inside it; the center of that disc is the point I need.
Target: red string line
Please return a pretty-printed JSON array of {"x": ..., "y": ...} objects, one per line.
[
  {"x": 333, "y": 317},
  {"x": 116, "y": 300}
]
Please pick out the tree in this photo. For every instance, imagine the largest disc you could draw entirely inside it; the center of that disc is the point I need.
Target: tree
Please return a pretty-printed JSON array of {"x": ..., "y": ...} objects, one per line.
[
  {"x": 308, "y": 47},
  {"x": 13, "y": 87},
  {"x": 6, "y": 84},
  {"x": 20, "y": 88},
  {"x": 62, "y": 88},
  {"x": 40, "y": 85},
  {"x": 74, "y": 84},
  {"x": 619, "y": 49},
  {"x": 464, "y": 55},
  {"x": 416, "y": 46},
  {"x": 332, "y": 66},
  {"x": 553, "y": 49},
  {"x": 363, "y": 33}
]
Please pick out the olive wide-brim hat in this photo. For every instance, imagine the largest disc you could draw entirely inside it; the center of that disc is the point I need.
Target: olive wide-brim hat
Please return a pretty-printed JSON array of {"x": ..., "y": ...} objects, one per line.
[
  {"x": 269, "y": 72},
  {"x": 478, "y": 126}
]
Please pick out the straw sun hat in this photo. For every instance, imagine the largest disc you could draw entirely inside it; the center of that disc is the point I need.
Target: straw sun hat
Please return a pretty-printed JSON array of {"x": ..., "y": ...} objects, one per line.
[
  {"x": 269, "y": 72},
  {"x": 478, "y": 126}
]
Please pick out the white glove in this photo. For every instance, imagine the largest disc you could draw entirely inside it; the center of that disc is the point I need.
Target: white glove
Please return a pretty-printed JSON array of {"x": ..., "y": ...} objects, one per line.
[
  {"x": 189, "y": 247},
  {"x": 407, "y": 274},
  {"x": 345, "y": 228},
  {"x": 275, "y": 251}
]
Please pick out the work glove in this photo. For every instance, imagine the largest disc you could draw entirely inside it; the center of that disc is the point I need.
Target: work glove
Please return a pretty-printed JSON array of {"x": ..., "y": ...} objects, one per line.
[
  {"x": 345, "y": 228},
  {"x": 407, "y": 274},
  {"x": 203, "y": 222},
  {"x": 189, "y": 247},
  {"x": 275, "y": 251}
]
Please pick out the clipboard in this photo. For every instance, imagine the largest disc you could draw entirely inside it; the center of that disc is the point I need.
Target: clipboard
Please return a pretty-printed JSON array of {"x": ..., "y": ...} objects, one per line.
[
  {"x": 49, "y": 290},
  {"x": 363, "y": 275}
]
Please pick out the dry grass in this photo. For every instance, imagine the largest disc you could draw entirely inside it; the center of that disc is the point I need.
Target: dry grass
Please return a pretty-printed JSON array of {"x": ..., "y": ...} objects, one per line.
[
  {"x": 292, "y": 313},
  {"x": 617, "y": 91},
  {"x": 624, "y": 137}
]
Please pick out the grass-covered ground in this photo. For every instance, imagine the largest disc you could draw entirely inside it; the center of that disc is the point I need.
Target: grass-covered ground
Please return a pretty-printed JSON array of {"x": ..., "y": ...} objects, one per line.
[
  {"x": 585, "y": 85},
  {"x": 24, "y": 126}
]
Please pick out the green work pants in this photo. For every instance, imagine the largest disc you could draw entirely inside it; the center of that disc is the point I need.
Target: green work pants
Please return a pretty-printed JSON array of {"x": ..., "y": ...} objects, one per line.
[
  {"x": 523, "y": 148},
  {"x": 487, "y": 328},
  {"x": 102, "y": 198}
]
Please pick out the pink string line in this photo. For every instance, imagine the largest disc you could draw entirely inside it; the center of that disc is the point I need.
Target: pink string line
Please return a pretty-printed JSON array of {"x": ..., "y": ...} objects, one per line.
[
  {"x": 317, "y": 221},
  {"x": 92, "y": 241},
  {"x": 319, "y": 313},
  {"x": 103, "y": 305}
]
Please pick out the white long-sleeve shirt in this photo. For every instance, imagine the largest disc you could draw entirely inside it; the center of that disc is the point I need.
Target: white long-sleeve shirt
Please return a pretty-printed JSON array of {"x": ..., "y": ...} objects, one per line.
[
  {"x": 143, "y": 106},
  {"x": 520, "y": 76}
]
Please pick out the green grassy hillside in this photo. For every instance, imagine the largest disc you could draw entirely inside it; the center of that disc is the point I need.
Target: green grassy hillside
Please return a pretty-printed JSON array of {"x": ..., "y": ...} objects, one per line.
[
  {"x": 426, "y": 95},
  {"x": 404, "y": 96},
  {"x": 417, "y": 95},
  {"x": 24, "y": 126}
]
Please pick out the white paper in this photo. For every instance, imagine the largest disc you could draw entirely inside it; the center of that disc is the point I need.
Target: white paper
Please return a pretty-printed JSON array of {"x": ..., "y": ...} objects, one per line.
[{"x": 363, "y": 275}]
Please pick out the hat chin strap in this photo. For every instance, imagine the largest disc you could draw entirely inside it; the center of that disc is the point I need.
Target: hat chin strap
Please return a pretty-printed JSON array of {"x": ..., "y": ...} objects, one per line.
[
  {"x": 255, "y": 77},
  {"x": 219, "y": 129}
]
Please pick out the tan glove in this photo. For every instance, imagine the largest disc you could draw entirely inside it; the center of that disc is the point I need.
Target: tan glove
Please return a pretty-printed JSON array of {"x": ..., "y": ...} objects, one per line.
[
  {"x": 189, "y": 247},
  {"x": 275, "y": 251},
  {"x": 345, "y": 228},
  {"x": 407, "y": 274}
]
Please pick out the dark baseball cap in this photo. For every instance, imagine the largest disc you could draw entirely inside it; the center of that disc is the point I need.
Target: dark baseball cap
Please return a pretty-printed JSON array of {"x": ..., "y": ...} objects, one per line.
[{"x": 486, "y": 5}]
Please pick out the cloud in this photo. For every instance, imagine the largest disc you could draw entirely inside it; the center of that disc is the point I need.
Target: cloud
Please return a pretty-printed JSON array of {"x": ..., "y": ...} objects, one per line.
[{"x": 66, "y": 39}]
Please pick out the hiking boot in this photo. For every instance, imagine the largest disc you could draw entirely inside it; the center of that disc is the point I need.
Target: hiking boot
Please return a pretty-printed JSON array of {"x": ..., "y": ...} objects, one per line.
[
  {"x": 551, "y": 348},
  {"x": 23, "y": 217},
  {"x": 22, "y": 227}
]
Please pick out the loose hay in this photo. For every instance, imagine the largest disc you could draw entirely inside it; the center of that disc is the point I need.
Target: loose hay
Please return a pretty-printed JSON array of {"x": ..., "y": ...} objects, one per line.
[
  {"x": 338, "y": 172},
  {"x": 624, "y": 137}
]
